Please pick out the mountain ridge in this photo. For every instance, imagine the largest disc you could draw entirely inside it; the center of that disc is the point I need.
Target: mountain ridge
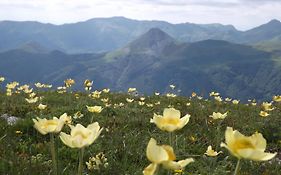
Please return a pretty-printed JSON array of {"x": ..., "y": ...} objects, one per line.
[{"x": 108, "y": 34}]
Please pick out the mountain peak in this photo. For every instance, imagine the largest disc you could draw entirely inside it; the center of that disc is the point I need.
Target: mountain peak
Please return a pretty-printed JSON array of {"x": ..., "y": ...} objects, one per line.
[
  {"x": 274, "y": 21},
  {"x": 153, "y": 40}
]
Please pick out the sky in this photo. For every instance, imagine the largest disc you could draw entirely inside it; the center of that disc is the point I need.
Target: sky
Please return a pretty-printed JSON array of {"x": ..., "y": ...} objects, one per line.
[{"x": 243, "y": 14}]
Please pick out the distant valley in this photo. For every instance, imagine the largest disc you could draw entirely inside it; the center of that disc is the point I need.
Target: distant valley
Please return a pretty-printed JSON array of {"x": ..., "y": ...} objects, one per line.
[{"x": 119, "y": 53}]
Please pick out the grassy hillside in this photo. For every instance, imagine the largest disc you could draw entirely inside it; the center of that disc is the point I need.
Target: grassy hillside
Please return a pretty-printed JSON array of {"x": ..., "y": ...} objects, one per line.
[{"x": 127, "y": 130}]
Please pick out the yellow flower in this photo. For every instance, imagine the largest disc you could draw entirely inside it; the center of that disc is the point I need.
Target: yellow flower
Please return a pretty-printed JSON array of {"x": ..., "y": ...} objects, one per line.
[
  {"x": 78, "y": 115},
  {"x": 32, "y": 100},
  {"x": 2, "y": 79},
  {"x": 96, "y": 94},
  {"x": 193, "y": 94},
  {"x": 105, "y": 100},
  {"x": 170, "y": 121},
  {"x": 267, "y": 106},
  {"x": 210, "y": 152},
  {"x": 156, "y": 93},
  {"x": 277, "y": 98},
  {"x": 129, "y": 100},
  {"x": 95, "y": 109},
  {"x": 45, "y": 126},
  {"x": 188, "y": 104},
  {"x": 80, "y": 136},
  {"x": 253, "y": 103},
  {"x": 214, "y": 94},
  {"x": 218, "y": 98},
  {"x": 12, "y": 85},
  {"x": 172, "y": 86},
  {"x": 235, "y": 102},
  {"x": 61, "y": 89},
  {"x": 142, "y": 98},
  {"x": 171, "y": 95},
  {"x": 149, "y": 105},
  {"x": 218, "y": 115},
  {"x": 42, "y": 107},
  {"x": 67, "y": 119},
  {"x": 132, "y": 90},
  {"x": 157, "y": 103},
  {"x": 69, "y": 82},
  {"x": 247, "y": 147},
  {"x": 88, "y": 83},
  {"x": 39, "y": 85},
  {"x": 105, "y": 90},
  {"x": 141, "y": 103},
  {"x": 199, "y": 97},
  {"x": 264, "y": 114},
  {"x": 162, "y": 154},
  {"x": 228, "y": 99},
  {"x": 18, "y": 132}
]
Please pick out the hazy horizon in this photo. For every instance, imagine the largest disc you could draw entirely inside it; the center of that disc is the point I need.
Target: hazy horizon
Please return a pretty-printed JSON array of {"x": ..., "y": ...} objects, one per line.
[{"x": 242, "y": 14}]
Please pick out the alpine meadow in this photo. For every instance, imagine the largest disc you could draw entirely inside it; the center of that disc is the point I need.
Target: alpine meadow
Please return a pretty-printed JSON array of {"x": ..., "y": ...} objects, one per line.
[{"x": 131, "y": 87}]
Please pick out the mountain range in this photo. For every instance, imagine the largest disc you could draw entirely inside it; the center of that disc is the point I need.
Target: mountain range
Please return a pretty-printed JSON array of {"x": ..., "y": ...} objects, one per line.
[
  {"x": 93, "y": 35},
  {"x": 120, "y": 53}
]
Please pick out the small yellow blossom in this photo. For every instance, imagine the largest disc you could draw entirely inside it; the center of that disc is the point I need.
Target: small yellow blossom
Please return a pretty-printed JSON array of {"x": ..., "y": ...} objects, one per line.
[
  {"x": 78, "y": 115},
  {"x": 88, "y": 84},
  {"x": 277, "y": 98},
  {"x": 149, "y": 105},
  {"x": 157, "y": 103},
  {"x": 264, "y": 114},
  {"x": 94, "y": 109},
  {"x": 105, "y": 100},
  {"x": 210, "y": 152},
  {"x": 171, "y": 95},
  {"x": 267, "y": 106},
  {"x": 42, "y": 107},
  {"x": 32, "y": 100},
  {"x": 170, "y": 121},
  {"x": 214, "y": 94},
  {"x": 172, "y": 86},
  {"x": 129, "y": 100},
  {"x": 67, "y": 119},
  {"x": 141, "y": 103},
  {"x": 193, "y": 94},
  {"x": 228, "y": 99},
  {"x": 218, "y": 98},
  {"x": 12, "y": 85},
  {"x": 106, "y": 90},
  {"x": 2, "y": 79},
  {"x": 218, "y": 115},
  {"x": 18, "y": 132},
  {"x": 69, "y": 82},
  {"x": 130, "y": 90},
  {"x": 235, "y": 102}
]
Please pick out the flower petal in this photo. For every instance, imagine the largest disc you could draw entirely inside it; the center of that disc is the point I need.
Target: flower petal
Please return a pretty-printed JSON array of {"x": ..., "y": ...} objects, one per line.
[
  {"x": 155, "y": 153},
  {"x": 171, "y": 113},
  {"x": 150, "y": 169}
]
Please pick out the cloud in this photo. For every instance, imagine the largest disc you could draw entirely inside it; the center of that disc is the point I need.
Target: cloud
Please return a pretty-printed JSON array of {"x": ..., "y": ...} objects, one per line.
[{"x": 243, "y": 14}]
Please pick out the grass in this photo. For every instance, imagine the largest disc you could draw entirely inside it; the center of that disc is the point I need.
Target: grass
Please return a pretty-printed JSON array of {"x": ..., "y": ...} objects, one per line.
[{"x": 127, "y": 130}]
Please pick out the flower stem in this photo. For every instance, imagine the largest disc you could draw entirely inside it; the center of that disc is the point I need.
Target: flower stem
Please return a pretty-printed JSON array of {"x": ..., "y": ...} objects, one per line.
[
  {"x": 171, "y": 141},
  {"x": 237, "y": 167},
  {"x": 218, "y": 136},
  {"x": 53, "y": 153},
  {"x": 80, "y": 166}
]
